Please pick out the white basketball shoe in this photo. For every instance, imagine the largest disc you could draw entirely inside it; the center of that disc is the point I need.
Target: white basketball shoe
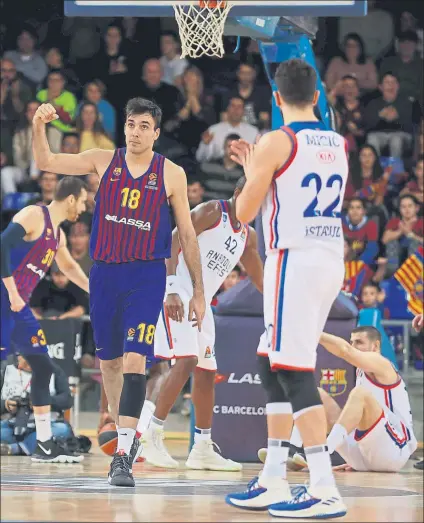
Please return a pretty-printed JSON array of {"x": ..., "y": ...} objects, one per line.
[
  {"x": 204, "y": 457},
  {"x": 261, "y": 493},
  {"x": 154, "y": 450}
]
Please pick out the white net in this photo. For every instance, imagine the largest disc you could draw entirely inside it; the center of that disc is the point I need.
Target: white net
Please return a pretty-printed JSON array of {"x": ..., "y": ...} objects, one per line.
[{"x": 201, "y": 26}]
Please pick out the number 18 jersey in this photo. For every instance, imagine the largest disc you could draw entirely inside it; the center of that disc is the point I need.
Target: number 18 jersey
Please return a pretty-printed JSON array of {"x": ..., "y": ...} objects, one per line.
[{"x": 304, "y": 202}]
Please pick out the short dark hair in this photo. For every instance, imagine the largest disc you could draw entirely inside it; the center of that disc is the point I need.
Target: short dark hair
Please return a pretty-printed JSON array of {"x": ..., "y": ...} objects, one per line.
[
  {"x": 357, "y": 199},
  {"x": 70, "y": 135},
  {"x": 389, "y": 73},
  {"x": 372, "y": 333},
  {"x": 372, "y": 284},
  {"x": 408, "y": 196},
  {"x": 47, "y": 172},
  {"x": 237, "y": 269},
  {"x": 408, "y": 36},
  {"x": 192, "y": 180},
  {"x": 235, "y": 97},
  {"x": 296, "y": 81},
  {"x": 144, "y": 106},
  {"x": 69, "y": 185},
  {"x": 172, "y": 34},
  {"x": 232, "y": 136},
  {"x": 241, "y": 182},
  {"x": 350, "y": 77}
]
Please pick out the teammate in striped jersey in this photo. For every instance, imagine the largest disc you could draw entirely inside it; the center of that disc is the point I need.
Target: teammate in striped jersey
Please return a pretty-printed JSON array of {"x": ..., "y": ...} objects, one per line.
[
  {"x": 130, "y": 239},
  {"x": 28, "y": 247}
]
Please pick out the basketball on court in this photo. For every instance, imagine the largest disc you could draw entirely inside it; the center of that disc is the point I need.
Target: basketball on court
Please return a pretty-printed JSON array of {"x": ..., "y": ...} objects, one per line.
[{"x": 108, "y": 438}]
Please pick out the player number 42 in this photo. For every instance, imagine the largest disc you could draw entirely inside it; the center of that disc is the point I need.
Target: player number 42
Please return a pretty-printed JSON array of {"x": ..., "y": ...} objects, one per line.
[{"x": 330, "y": 211}]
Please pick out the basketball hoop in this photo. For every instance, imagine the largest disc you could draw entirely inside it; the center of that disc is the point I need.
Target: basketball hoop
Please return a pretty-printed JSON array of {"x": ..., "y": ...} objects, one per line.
[{"x": 201, "y": 26}]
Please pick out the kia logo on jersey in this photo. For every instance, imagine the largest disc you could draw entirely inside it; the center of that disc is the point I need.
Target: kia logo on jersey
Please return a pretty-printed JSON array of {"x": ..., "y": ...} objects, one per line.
[{"x": 326, "y": 156}]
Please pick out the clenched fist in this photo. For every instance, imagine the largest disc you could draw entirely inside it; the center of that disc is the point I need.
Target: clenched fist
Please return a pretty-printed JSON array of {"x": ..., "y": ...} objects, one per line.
[{"x": 46, "y": 113}]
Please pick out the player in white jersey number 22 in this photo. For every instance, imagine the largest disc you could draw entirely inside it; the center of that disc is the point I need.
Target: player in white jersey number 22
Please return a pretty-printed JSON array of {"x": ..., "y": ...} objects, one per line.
[
  {"x": 223, "y": 242},
  {"x": 297, "y": 175}
]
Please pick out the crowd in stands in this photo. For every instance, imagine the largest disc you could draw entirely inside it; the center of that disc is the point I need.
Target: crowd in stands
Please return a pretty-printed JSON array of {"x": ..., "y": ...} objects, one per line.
[{"x": 207, "y": 104}]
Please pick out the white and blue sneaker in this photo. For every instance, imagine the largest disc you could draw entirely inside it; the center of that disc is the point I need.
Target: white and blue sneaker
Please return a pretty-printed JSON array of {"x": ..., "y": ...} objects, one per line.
[
  {"x": 311, "y": 502},
  {"x": 261, "y": 493}
]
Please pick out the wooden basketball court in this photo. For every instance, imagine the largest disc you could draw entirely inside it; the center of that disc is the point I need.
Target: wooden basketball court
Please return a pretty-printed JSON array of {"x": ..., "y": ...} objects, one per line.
[{"x": 80, "y": 492}]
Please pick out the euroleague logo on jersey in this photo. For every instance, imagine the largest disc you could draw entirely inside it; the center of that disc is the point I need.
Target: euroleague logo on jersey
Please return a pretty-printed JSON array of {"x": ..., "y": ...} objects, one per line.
[{"x": 326, "y": 157}]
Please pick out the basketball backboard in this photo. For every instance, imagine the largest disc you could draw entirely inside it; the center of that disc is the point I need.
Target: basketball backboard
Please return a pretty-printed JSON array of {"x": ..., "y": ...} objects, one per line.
[{"x": 145, "y": 8}]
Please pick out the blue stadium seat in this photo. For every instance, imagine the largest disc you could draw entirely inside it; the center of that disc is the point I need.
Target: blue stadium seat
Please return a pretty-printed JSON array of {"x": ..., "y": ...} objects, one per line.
[{"x": 17, "y": 201}]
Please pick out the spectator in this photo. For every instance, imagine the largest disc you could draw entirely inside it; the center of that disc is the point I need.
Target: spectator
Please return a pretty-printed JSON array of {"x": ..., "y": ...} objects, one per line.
[
  {"x": 232, "y": 279},
  {"x": 408, "y": 22},
  {"x": 15, "y": 94},
  {"x": 92, "y": 187},
  {"x": 62, "y": 100},
  {"x": 47, "y": 182},
  {"x": 95, "y": 92},
  {"x": 113, "y": 58},
  {"x": 57, "y": 298},
  {"x": 15, "y": 390},
  {"x": 368, "y": 181},
  {"x": 170, "y": 99},
  {"x": 407, "y": 65},
  {"x": 173, "y": 66},
  {"x": 257, "y": 99},
  {"x": 28, "y": 61},
  {"x": 195, "y": 193},
  {"x": 90, "y": 129},
  {"x": 389, "y": 119},
  {"x": 24, "y": 168},
  {"x": 55, "y": 62},
  {"x": 352, "y": 62},
  {"x": 415, "y": 187},
  {"x": 361, "y": 232},
  {"x": 220, "y": 177},
  {"x": 345, "y": 98},
  {"x": 212, "y": 146},
  {"x": 79, "y": 239},
  {"x": 403, "y": 235},
  {"x": 198, "y": 112},
  {"x": 70, "y": 143}
]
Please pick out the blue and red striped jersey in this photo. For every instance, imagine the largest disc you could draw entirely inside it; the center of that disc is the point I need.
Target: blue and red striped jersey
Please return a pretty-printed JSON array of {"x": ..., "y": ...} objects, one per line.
[
  {"x": 31, "y": 260},
  {"x": 131, "y": 218}
]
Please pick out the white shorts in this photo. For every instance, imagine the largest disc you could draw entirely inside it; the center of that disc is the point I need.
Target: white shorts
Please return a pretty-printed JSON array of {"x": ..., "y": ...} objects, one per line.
[
  {"x": 300, "y": 286},
  {"x": 182, "y": 340},
  {"x": 385, "y": 447}
]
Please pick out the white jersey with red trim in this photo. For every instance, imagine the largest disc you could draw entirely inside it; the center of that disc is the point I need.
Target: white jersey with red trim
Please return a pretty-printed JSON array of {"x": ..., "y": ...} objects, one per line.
[
  {"x": 393, "y": 399},
  {"x": 221, "y": 247},
  {"x": 303, "y": 206}
]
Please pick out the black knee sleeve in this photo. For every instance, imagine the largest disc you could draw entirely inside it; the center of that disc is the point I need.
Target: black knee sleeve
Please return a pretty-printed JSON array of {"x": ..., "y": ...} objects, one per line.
[
  {"x": 301, "y": 389},
  {"x": 42, "y": 369},
  {"x": 133, "y": 395},
  {"x": 275, "y": 393}
]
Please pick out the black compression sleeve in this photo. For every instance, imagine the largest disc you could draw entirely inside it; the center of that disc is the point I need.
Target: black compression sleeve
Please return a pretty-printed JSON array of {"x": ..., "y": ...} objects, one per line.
[{"x": 12, "y": 236}]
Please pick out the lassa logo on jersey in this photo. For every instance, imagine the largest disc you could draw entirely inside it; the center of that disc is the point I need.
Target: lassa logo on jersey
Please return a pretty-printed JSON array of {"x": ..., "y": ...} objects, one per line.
[
  {"x": 35, "y": 269},
  {"x": 145, "y": 226}
]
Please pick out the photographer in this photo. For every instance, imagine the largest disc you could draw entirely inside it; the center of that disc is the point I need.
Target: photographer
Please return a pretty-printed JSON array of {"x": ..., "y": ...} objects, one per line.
[{"x": 17, "y": 429}]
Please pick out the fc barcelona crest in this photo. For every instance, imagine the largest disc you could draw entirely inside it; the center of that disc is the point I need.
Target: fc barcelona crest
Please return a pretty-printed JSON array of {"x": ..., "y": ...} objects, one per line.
[
  {"x": 117, "y": 171},
  {"x": 333, "y": 381}
]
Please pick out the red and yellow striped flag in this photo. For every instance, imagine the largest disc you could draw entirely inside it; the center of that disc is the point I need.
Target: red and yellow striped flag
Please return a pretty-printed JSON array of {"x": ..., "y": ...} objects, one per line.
[{"x": 410, "y": 276}]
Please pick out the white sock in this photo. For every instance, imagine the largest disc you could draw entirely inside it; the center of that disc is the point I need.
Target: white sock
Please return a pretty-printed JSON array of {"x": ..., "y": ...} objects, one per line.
[
  {"x": 125, "y": 439},
  {"x": 202, "y": 435},
  {"x": 296, "y": 438},
  {"x": 335, "y": 438},
  {"x": 319, "y": 464},
  {"x": 156, "y": 423},
  {"x": 145, "y": 416},
  {"x": 43, "y": 426},
  {"x": 276, "y": 458}
]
